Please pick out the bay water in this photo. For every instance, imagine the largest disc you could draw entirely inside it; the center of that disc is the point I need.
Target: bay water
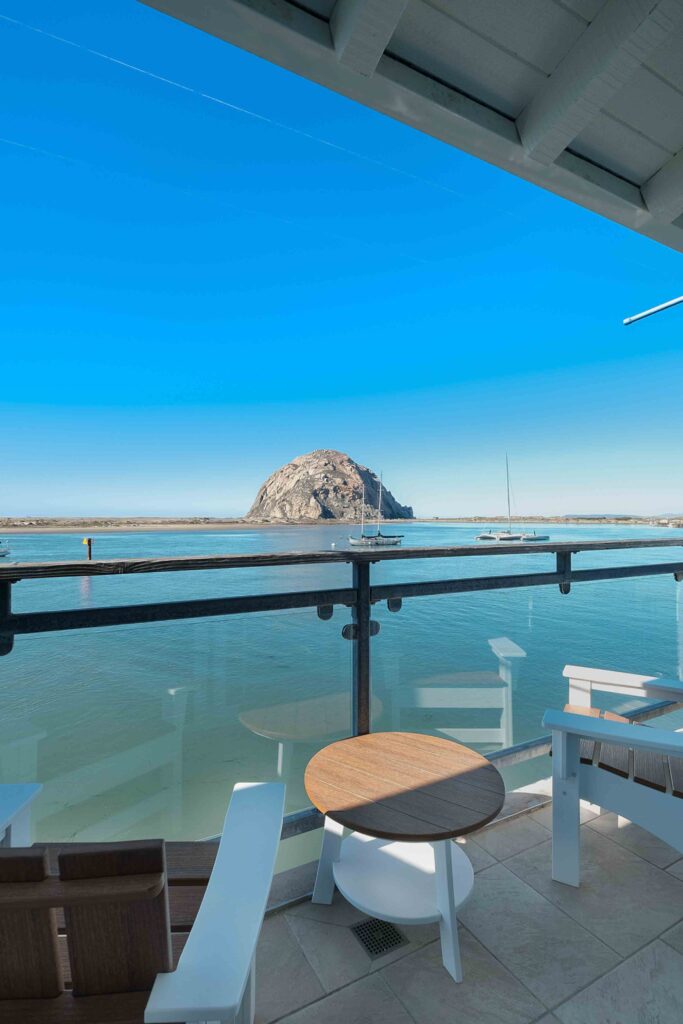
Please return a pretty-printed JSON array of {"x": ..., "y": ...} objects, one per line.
[{"x": 142, "y": 730}]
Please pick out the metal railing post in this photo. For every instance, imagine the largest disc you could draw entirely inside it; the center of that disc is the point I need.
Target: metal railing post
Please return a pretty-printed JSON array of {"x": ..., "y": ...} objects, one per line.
[
  {"x": 361, "y": 649},
  {"x": 6, "y": 637}
]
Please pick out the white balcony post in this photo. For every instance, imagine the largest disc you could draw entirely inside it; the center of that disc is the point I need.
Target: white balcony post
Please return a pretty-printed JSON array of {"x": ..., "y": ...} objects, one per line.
[{"x": 580, "y": 691}]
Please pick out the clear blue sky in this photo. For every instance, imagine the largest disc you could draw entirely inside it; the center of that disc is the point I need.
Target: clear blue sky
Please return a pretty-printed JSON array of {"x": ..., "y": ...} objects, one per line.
[{"x": 193, "y": 295}]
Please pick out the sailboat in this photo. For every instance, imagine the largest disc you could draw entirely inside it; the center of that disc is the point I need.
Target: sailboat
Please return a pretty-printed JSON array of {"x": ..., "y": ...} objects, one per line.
[
  {"x": 507, "y": 536},
  {"x": 374, "y": 540},
  {"x": 4, "y": 549}
]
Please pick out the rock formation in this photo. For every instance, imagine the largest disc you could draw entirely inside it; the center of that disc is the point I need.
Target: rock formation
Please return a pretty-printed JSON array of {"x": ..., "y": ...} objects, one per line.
[{"x": 323, "y": 485}]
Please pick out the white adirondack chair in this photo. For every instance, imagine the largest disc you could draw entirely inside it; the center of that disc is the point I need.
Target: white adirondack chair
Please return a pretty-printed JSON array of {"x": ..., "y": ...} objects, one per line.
[
  {"x": 214, "y": 979},
  {"x": 635, "y": 771}
]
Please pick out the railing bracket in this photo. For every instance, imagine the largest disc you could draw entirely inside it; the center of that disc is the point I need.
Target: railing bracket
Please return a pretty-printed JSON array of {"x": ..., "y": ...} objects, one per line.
[
  {"x": 564, "y": 568},
  {"x": 678, "y": 576},
  {"x": 394, "y": 604},
  {"x": 350, "y": 630},
  {"x": 325, "y": 611}
]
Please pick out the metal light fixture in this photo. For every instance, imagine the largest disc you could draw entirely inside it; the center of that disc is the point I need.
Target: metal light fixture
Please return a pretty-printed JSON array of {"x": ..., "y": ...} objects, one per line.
[{"x": 655, "y": 309}]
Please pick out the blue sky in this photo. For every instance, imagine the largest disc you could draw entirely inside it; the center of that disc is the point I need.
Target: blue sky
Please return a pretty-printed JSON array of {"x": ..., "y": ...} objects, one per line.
[{"x": 193, "y": 294}]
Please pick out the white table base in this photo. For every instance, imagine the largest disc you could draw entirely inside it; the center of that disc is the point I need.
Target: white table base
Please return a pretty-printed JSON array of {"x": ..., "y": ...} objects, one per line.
[{"x": 405, "y": 883}]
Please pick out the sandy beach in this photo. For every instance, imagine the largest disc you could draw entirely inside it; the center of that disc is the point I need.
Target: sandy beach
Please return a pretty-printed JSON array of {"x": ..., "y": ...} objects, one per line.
[{"x": 140, "y": 524}]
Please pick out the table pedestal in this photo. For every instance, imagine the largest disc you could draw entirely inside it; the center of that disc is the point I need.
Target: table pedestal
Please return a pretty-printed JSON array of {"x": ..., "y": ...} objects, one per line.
[{"x": 404, "y": 883}]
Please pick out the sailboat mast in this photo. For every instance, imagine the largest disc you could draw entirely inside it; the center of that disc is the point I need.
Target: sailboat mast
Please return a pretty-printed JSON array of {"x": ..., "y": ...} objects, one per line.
[
  {"x": 379, "y": 504},
  {"x": 362, "y": 514},
  {"x": 507, "y": 477}
]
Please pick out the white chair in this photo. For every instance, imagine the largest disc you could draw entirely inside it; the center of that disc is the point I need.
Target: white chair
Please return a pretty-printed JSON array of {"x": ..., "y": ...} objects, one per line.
[
  {"x": 634, "y": 771},
  {"x": 214, "y": 980}
]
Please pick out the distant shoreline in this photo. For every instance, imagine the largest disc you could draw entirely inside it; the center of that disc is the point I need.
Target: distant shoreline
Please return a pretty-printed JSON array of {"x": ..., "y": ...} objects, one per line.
[{"x": 158, "y": 525}]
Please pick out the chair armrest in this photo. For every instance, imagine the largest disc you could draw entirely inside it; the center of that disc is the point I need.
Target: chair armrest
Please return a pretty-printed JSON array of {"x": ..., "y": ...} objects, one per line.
[
  {"x": 623, "y": 682},
  {"x": 214, "y": 967},
  {"x": 505, "y": 648},
  {"x": 604, "y": 731}
]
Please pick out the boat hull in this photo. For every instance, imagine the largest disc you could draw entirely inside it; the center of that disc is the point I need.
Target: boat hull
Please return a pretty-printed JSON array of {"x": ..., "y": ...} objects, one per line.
[
  {"x": 502, "y": 537},
  {"x": 374, "y": 542}
]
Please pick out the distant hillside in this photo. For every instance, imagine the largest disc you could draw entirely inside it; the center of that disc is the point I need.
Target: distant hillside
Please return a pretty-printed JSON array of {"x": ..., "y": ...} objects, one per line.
[{"x": 324, "y": 484}]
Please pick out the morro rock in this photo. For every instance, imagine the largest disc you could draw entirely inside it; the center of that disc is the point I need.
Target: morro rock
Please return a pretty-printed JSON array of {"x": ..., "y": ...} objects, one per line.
[{"x": 323, "y": 485}]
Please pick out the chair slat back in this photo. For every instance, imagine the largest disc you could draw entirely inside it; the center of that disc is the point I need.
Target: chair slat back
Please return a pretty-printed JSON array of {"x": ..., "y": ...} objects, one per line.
[
  {"x": 117, "y": 946},
  {"x": 30, "y": 967}
]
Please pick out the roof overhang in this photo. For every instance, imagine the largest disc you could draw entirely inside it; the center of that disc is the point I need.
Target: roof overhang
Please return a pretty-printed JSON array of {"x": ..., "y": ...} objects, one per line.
[{"x": 583, "y": 98}]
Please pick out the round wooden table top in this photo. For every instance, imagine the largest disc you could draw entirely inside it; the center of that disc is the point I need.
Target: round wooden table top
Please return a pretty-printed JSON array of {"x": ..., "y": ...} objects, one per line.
[{"x": 404, "y": 786}]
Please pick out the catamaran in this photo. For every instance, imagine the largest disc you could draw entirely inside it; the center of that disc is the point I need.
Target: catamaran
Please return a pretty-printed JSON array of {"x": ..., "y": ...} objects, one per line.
[
  {"x": 507, "y": 536},
  {"x": 374, "y": 540}
]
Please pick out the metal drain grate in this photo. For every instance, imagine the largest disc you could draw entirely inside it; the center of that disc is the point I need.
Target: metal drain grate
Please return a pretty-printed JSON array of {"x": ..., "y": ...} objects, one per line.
[{"x": 378, "y": 937}]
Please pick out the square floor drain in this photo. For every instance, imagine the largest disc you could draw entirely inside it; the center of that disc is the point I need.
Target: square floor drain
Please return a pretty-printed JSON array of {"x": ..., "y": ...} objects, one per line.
[{"x": 378, "y": 937}]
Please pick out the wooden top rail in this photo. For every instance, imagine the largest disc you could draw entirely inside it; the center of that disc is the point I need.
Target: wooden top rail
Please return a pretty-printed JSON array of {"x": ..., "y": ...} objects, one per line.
[{"x": 131, "y": 566}]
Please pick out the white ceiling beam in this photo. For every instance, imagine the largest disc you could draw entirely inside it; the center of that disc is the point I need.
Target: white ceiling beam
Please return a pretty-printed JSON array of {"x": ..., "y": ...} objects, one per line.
[
  {"x": 277, "y": 31},
  {"x": 663, "y": 193},
  {"x": 621, "y": 36},
  {"x": 361, "y": 30}
]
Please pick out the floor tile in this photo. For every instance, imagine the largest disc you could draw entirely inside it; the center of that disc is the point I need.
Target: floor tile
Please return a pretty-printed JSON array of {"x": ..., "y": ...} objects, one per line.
[
  {"x": 636, "y": 839},
  {"x": 338, "y": 912},
  {"x": 674, "y": 936},
  {"x": 524, "y": 799},
  {"x": 511, "y": 837},
  {"x": 549, "y": 1018},
  {"x": 489, "y": 994},
  {"x": 286, "y": 980},
  {"x": 479, "y": 857},
  {"x": 546, "y": 950},
  {"x": 645, "y": 989},
  {"x": 622, "y": 899},
  {"x": 369, "y": 1001},
  {"x": 334, "y": 953},
  {"x": 676, "y": 869},
  {"x": 544, "y": 815}
]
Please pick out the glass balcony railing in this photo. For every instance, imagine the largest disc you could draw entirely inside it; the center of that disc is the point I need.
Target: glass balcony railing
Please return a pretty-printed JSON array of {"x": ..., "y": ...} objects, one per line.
[{"x": 138, "y": 693}]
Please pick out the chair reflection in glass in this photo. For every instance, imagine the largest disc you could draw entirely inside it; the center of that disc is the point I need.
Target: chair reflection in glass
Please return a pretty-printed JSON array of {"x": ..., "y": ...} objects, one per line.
[{"x": 439, "y": 696}]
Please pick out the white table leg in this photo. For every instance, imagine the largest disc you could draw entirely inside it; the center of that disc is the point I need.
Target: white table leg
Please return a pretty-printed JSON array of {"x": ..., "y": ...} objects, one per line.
[
  {"x": 323, "y": 891},
  {"x": 284, "y": 759},
  {"x": 445, "y": 901}
]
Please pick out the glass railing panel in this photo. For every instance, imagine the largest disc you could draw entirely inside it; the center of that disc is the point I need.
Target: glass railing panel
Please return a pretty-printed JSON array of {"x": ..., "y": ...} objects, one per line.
[
  {"x": 482, "y": 668},
  {"x": 143, "y": 730}
]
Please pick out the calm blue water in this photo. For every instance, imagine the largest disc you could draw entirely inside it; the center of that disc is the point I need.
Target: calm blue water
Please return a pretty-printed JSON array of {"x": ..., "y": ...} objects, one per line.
[{"x": 142, "y": 730}]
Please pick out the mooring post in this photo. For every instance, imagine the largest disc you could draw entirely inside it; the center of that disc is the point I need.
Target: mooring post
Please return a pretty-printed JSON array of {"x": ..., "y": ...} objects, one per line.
[
  {"x": 6, "y": 637},
  {"x": 361, "y": 649}
]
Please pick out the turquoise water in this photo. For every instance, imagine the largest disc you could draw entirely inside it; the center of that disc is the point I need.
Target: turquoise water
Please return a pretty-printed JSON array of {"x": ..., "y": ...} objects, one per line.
[{"x": 142, "y": 730}]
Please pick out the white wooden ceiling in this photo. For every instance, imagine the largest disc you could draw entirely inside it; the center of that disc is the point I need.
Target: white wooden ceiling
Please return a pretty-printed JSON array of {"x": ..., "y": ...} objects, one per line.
[{"x": 582, "y": 97}]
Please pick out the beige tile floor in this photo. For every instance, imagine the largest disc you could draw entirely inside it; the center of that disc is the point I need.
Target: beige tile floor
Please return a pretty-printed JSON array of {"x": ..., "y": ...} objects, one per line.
[{"x": 533, "y": 950}]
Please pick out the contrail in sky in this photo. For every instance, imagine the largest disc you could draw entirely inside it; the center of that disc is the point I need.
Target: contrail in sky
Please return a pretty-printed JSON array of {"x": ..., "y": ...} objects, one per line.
[{"x": 234, "y": 107}]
